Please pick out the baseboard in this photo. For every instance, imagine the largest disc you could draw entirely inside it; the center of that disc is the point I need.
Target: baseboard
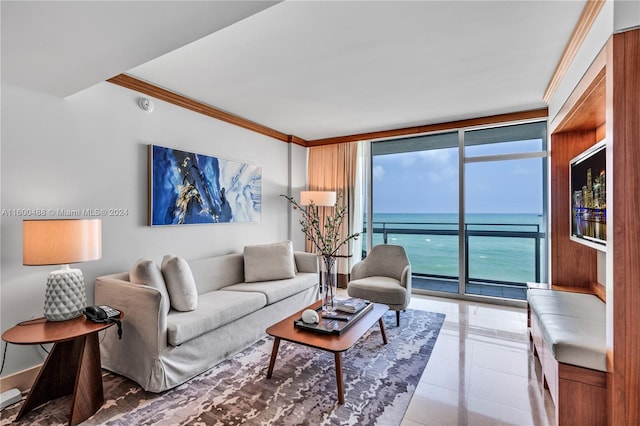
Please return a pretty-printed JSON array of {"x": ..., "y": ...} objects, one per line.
[{"x": 22, "y": 380}]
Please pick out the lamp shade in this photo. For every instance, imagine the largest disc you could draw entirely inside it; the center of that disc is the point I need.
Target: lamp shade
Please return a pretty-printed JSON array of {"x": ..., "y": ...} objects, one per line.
[
  {"x": 61, "y": 241},
  {"x": 318, "y": 198}
]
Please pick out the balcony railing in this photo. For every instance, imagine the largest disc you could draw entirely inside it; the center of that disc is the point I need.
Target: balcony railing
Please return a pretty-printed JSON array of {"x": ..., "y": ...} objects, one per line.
[{"x": 525, "y": 231}]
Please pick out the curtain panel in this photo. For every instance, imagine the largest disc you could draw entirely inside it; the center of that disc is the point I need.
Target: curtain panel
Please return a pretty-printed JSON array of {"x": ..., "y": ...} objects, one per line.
[{"x": 335, "y": 168}]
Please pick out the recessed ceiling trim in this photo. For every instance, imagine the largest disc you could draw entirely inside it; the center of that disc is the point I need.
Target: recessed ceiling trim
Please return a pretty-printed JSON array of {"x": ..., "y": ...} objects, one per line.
[
  {"x": 580, "y": 31},
  {"x": 429, "y": 128},
  {"x": 199, "y": 107}
]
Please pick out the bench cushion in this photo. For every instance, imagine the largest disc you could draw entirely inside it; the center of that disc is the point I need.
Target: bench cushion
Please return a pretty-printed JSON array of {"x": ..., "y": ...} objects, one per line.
[
  {"x": 577, "y": 305},
  {"x": 215, "y": 309},
  {"x": 573, "y": 326}
]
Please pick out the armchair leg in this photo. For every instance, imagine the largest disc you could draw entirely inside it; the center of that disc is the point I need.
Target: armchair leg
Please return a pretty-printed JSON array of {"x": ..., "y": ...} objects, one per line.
[{"x": 398, "y": 318}]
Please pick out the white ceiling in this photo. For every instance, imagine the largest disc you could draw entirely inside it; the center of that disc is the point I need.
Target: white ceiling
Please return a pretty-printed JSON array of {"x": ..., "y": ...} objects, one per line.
[
  {"x": 62, "y": 47},
  {"x": 314, "y": 69}
]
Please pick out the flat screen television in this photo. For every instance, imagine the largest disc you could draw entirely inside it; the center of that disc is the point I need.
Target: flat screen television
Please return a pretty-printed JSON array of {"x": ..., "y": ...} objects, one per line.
[{"x": 588, "y": 193}]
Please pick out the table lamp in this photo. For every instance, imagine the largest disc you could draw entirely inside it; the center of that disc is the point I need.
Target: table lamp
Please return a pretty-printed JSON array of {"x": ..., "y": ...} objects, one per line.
[
  {"x": 61, "y": 242},
  {"x": 318, "y": 198}
]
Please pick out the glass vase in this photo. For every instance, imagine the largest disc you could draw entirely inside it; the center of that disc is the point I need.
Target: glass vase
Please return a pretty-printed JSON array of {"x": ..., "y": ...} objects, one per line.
[{"x": 328, "y": 281}]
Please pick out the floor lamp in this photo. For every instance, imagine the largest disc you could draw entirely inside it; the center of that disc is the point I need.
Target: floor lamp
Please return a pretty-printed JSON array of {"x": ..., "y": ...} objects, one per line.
[
  {"x": 318, "y": 198},
  {"x": 328, "y": 280}
]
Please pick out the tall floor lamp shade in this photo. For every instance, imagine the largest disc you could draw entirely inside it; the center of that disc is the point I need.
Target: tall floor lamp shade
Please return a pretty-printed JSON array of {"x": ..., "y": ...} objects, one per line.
[
  {"x": 61, "y": 242},
  {"x": 318, "y": 198}
]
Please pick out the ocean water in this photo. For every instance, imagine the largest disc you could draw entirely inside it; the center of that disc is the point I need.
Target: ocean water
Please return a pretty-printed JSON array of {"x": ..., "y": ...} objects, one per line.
[{"x": 492, "y": 257}]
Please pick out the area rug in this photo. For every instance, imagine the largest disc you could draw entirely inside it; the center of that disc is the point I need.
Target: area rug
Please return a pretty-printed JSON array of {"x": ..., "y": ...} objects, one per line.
[{"x": 379, "y": 383}]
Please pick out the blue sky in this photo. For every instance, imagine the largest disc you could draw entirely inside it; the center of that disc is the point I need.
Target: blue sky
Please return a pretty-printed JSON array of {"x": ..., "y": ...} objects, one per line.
[{"x": 427, "y": 182}]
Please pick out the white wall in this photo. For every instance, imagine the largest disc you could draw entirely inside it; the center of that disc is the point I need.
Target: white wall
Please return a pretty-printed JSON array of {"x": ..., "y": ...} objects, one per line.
[
  {"x": 626, "y": 14},
  {"x": 90, "y": 151},
  {"x": 298, "y": 161}
]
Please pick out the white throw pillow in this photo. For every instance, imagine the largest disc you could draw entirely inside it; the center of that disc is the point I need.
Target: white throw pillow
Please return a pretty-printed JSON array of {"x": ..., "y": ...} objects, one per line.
[
  {"x": 180, "y": 283},
  {"x": 147, "y": 272},
  {"x": 266, "y": 262}
]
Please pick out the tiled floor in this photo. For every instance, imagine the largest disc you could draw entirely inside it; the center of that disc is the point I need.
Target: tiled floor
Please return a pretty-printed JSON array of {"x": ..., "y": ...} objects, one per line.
[{"x": 481, "y": 371}]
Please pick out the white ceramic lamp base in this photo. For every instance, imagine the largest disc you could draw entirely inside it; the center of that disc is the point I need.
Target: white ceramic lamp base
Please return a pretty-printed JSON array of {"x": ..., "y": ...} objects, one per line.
[{"x": 65, "y": 297}]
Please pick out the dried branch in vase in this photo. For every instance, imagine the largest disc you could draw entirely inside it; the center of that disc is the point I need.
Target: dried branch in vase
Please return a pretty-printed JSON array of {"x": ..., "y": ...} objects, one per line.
[{"x": 325, "y": 237}]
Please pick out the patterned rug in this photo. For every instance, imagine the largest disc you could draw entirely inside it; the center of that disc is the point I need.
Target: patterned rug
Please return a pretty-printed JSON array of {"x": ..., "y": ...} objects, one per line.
[{"x": 379, "y": 383}]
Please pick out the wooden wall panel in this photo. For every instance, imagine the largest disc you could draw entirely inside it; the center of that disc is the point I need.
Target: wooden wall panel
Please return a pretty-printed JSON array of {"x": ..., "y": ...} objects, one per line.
[
  {"x": 624, "y": 82},
  {"x": 573, "y": 264}
]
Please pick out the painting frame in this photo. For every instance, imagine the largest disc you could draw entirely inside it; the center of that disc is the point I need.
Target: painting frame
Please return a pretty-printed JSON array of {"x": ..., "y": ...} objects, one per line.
[{"x": 188, "y": 188}]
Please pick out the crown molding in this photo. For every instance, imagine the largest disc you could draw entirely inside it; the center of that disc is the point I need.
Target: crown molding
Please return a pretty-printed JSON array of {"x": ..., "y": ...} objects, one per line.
[
  {"x": 149, "y": 89},
  {"x": 585, "y": 22},
  {"x": 429, "y": 128}
]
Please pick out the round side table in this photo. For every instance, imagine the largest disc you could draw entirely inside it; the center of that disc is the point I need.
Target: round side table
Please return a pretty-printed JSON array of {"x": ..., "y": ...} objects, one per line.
[{"x": 72, "y": 367}]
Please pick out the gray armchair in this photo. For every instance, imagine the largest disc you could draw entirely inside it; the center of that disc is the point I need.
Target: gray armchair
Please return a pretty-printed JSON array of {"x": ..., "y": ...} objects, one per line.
[{"x": 384, "y": 276}]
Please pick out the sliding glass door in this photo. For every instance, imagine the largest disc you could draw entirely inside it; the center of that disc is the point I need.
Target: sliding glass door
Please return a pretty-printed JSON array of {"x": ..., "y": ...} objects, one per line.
[
  {"x": 415, "y": 204},
  {"x": 468, "y": 206},
  {"x": 505, "y": 204}
]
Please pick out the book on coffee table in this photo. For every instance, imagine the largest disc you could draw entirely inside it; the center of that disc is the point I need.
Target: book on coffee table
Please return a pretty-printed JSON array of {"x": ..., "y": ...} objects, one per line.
[
  {"x": 351, "y": 304},
  {"x": 333, "y": 322}
]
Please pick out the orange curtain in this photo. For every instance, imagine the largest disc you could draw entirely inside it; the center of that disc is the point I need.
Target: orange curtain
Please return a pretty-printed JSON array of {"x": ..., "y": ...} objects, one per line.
[{"x": 333, "y": 168}]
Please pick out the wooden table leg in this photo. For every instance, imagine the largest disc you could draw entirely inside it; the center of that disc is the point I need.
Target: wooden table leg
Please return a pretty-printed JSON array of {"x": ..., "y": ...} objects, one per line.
[
  {"x": 72, "y": 368},
  {"x": 57, "y": 376},
  {"x": 274, "y": 354},
  {"x": 384, "y": 335},
  {"x": 88, "y": 394},
  {"x": 339, "y": 377}
]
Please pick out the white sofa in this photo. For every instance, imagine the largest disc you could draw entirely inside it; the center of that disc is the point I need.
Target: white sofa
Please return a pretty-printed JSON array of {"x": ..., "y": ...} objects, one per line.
[{"x": 162, "y": 347}]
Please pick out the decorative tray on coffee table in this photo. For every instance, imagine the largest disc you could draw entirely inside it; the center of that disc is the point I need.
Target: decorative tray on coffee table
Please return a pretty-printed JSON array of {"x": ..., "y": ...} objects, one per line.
[{"x": 333, "y": 322}]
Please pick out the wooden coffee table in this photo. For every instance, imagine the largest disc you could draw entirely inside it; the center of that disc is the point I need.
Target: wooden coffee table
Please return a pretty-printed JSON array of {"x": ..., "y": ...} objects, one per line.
[{"x": 336, "y": 343}]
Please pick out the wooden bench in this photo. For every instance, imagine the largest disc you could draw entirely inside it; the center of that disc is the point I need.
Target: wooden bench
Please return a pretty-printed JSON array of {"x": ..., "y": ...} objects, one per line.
[{"x": 568, "y": 331}]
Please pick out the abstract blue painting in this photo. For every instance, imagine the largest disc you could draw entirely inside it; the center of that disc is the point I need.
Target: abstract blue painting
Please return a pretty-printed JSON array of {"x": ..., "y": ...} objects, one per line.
[{"x": 188, "y": 188}]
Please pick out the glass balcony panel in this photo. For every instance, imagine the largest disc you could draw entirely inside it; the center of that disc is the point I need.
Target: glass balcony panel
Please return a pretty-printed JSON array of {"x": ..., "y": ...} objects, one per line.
[{"x": 415, "y": 204}]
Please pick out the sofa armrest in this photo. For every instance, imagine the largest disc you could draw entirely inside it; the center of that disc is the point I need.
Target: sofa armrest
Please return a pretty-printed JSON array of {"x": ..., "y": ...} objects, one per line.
[
  {"x": 306, "y": 262},
  {"x": 144, "y": 322}
]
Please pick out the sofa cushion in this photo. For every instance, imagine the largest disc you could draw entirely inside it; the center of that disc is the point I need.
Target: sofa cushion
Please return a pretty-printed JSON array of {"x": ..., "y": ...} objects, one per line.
[
  {"x": 279, "y": 289},
  {"x": 380, "y": 289},
  {"x": 215, "y": 309},
  {"x": 215, "y": 272},
  {"x": 147, "y": 272},
  {"x": 266, "y": 262},
  {"x": 180, "y": 283}
]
